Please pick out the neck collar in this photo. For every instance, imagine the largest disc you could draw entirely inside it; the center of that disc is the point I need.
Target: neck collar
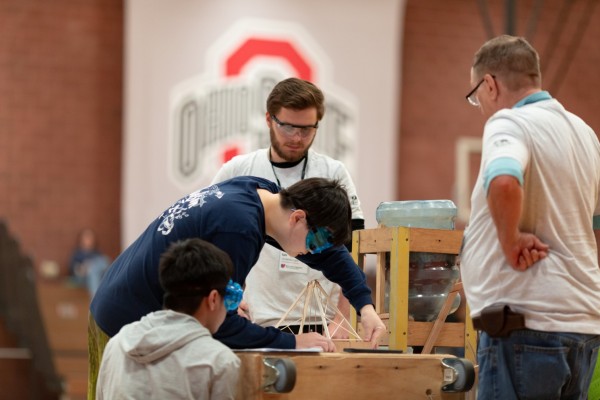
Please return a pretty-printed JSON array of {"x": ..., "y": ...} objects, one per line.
[
  {"x": 533, "y": 98},
  {"x": 287, "y": 165}
]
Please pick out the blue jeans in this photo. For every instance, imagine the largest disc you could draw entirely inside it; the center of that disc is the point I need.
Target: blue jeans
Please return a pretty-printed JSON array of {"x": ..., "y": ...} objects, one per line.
[
  {"x": 537, "y": 365},
  {"x": 95, "y": 268}
]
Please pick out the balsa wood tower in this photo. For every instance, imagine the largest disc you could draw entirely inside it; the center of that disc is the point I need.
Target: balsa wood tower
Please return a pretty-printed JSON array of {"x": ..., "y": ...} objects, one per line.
[{"x": 315, "y": 303}]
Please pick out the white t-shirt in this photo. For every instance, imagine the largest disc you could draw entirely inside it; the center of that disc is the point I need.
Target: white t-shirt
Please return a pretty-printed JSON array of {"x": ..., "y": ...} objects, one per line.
[
  {"x": 560, "y": 159},
  {"x": 276, "y": 281}
]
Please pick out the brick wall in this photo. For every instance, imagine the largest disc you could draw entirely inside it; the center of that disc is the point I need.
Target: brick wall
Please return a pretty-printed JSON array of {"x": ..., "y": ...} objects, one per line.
[
  {"x": 61, "y": 65},
  {"x": 440, "y": 38},
  {"x": 61, "y": 71}
]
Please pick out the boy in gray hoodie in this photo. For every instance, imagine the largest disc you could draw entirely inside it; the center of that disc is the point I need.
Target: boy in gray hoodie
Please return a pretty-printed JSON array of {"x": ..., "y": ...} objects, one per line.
[{"x": 170, "y": 354}]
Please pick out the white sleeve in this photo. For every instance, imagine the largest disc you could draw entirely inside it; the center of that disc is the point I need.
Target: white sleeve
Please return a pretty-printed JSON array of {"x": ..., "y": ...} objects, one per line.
[
  {"x": 597, "y": 212},
  {"x": 503, "y": 138},
  {"x": 227, "y": 171},
  {"x": 345, "y": 179}
]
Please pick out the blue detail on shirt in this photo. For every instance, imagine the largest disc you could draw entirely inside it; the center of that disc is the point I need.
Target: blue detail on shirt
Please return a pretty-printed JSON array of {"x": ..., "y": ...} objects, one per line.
[
  {"x": 502, "y": 166},
  {"x": 596, "y": 222},
  {"x": 533, "y": 98}
]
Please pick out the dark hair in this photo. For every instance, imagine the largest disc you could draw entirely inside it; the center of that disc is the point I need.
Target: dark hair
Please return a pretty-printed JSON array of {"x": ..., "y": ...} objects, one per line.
[
  {"x": 326, "y": 204},
  {"x": 510, "y": 57},
  {"x": 296, "y": 94},
  {"x": 188, "y": 270},
  {"x": 87, "y": 231}
]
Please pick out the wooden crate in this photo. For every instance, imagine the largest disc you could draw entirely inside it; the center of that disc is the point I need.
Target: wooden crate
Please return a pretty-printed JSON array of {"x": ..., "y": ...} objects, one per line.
[{"x": 403, "y": 332}]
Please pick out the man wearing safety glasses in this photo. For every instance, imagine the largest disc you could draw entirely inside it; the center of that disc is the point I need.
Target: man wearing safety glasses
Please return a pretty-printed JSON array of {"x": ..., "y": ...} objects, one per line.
[
  {"x": 237, "y": 215},
  {"x": 294, "y": 111}
]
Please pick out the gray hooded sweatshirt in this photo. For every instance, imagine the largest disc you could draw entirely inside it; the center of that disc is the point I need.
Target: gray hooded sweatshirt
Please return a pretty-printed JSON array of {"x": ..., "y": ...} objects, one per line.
[{"x": 167, "y": 355}]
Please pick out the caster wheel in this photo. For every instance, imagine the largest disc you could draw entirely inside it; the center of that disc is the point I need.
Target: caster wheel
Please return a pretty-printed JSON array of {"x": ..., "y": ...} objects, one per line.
[
  {"x": 461, "y": 374},
  {"x": 286, "y": 375},
  {"x": 280, "y": 375}
]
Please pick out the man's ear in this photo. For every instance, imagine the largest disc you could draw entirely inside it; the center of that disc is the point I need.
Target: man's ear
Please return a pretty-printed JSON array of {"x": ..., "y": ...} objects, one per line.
[
  {"x": 297, "y": 216},
  {"x": 213, "y": 299},
  {"x": 492, "y": 86},
  {"x": 268, "y": 119}
]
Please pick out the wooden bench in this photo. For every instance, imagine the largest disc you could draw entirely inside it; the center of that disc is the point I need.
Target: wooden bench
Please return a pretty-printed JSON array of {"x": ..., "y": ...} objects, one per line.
[{"x": 65, "y": 313}]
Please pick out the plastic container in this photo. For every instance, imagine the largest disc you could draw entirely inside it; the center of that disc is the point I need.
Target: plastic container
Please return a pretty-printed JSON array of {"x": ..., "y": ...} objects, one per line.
[
  {"x": 431, "y": 275},
  {"x": 434, "y": 214}
]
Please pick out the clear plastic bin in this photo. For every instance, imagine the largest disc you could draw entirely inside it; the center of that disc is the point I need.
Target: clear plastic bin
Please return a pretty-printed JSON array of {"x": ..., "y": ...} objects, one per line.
[{"x": 431, "y": 275}]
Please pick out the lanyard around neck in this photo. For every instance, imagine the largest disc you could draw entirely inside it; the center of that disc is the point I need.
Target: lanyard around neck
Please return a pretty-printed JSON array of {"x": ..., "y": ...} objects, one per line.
[{"x": 275, "y": 173}]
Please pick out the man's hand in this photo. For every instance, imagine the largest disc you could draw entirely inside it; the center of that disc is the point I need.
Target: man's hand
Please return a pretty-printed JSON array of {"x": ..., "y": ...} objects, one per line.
[
  {"x": 373, "y": 326},
  {"x": 525, "y": 250},
  {"x": 505, "y": 202},
  {"x": 244, "y": 310},
  {"x": 313, "y": 339}
]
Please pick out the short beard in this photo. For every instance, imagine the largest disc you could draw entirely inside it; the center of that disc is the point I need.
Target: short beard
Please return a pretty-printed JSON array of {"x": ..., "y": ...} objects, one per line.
[{"x": 279, "y": 151}]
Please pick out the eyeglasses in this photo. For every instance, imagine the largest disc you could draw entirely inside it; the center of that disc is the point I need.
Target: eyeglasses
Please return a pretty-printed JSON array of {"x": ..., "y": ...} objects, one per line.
[
  {"x": 471, "y": 98},
  {"x": 291, "y": 129},
  {"x": 318, "y": 240},
  {"x": 233, "y": 295}
]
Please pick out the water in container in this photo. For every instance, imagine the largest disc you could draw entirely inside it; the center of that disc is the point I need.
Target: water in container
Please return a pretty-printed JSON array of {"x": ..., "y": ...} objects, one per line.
[{"x": 431, "y": 275}]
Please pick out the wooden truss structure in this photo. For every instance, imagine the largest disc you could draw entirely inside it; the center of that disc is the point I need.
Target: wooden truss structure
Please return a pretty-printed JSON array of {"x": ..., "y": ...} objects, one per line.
[{"x": 315, "y": 303}]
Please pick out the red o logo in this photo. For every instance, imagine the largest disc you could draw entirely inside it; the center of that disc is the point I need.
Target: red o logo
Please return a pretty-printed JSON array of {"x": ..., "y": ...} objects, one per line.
[{"x": 267, "y": 47}]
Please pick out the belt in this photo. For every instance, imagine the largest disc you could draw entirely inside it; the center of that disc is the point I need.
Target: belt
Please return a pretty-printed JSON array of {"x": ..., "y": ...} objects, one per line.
[{"x": 498, "y": 321}]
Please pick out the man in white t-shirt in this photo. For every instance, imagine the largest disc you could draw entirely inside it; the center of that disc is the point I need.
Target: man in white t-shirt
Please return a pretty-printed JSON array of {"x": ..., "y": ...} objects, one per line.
[
  {"x": 294, "y": 109},
  {"x": 529, "y": 264}
]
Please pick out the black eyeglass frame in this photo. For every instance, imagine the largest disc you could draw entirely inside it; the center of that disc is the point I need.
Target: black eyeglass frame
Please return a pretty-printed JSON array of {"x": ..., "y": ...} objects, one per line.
[
  {"x": 472, "y": 92},
  {"x": 303, "y": 128}
]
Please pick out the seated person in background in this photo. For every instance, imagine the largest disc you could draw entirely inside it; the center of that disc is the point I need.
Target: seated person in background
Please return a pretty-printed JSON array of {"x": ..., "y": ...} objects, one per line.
[
  {"x": 170, "y": 354},
  {"x": 294, "y": 110},
  {"x": 87, "y": 264}
]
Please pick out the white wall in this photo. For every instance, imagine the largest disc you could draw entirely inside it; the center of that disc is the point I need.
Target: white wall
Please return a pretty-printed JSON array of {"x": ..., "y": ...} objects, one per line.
[{"x": 174, "y": 46}]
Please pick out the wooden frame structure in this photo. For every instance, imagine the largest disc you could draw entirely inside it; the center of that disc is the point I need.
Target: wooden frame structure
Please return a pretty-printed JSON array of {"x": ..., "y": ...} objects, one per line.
[{"x": 403, "y": 332}]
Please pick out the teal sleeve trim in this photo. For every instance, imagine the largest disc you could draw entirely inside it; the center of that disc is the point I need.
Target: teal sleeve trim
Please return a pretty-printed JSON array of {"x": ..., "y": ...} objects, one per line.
[
  {"x": 502, "y": 166},
  {"x": 597, "y": 222}
]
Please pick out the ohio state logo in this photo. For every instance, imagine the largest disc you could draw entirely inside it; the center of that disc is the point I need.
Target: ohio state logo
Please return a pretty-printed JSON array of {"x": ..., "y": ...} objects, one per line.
[{"x": 220, "y": 114}]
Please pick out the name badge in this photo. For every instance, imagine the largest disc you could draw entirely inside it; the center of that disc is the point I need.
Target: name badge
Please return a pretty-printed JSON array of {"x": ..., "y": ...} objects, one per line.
[{"x": 291, "y": 264}]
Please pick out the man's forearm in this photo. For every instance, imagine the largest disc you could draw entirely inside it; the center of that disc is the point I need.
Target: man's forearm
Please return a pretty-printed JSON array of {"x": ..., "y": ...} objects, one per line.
[{"x": 505, "y": 201}]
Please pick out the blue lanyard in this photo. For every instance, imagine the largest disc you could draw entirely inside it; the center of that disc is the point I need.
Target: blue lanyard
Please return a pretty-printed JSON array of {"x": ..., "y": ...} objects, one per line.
[{"x": 533, "y": 98}]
